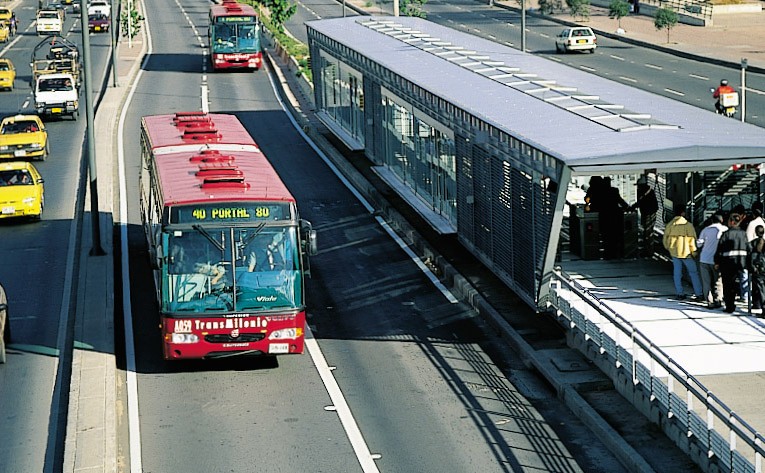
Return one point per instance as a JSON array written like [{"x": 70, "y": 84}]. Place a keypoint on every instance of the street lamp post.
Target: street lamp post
[
  {"x": 744, "y": 64},
  {"x": 523, "y": 25},
  {"x": 85, "y": 96}
]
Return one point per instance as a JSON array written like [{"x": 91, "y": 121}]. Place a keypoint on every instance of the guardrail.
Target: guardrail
[
  {"x": 690, "y": 7},
  {"x": 699, "y": 422}
]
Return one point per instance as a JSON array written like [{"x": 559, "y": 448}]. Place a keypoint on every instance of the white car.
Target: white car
[
  {"x": 99, "y": 6},
  {"x": 579, "y": 38}
]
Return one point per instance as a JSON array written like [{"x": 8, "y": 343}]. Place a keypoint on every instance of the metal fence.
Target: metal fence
[{"x": 700, "y": 421}]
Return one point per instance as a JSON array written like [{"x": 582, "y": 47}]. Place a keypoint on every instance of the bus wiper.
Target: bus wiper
[
  {"x": 204, "y": 232},
  {"x": 257, "y": 231}
]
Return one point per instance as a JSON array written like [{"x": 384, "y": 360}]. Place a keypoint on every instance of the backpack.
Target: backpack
[{"x": 758, "y": 263}]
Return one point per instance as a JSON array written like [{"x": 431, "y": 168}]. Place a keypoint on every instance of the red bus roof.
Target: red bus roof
[
  {"x": 232, "y": 8},
  {"x": 209, "y": 158}
]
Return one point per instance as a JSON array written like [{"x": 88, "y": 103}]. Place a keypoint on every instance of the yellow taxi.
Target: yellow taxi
[
  {"x": 5, "y": 31},
  {"x": 7, "y": 74},
  {"x": 6, "y": 13},
  {"x": 21, "y": 190},
  {"x": 23, "y": 136}
]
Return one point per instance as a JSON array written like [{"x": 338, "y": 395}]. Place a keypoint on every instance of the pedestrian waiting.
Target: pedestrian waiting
[
  {"x": 680, "y": 241},
  {"x": 711, "y": 285},
  {"x": 757, "y": 268},
  {"x": 731, "y": 259}
]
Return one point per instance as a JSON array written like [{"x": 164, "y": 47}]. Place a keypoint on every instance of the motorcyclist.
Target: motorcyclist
[{"x": 724, "y": 88}]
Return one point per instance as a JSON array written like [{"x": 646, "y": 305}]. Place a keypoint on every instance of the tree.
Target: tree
[
  {"x": 618, "y": 9},
  {"x": 579, "y": 8},
  {"x": 413, "y": 8},
  {"x": 665, "y": 19},
  {"x": 548, "y": 7},
  {"x": 281, "y": 11},
  {"x": 130, "y": 22}
]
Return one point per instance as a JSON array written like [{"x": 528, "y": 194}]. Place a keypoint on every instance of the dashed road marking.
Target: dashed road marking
[
  {"x": 652, "y": 66},
  {"x": 675, "y": 92}
]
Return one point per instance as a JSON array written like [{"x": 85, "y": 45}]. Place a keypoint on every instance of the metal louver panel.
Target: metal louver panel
[
  {"x": 503, "y": 213},
  {"x": 464, "y": 188},
  {"x": 483, "y": 194},
  {"x": 523, "y": 222}
]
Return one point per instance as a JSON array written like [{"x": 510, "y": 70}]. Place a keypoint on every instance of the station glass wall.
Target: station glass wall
[
  {"x": 421, "y": 153},
  {"x": 342, "y": 95}
]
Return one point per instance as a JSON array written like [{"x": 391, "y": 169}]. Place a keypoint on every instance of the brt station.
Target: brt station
[{"x": 495, "y": 145}]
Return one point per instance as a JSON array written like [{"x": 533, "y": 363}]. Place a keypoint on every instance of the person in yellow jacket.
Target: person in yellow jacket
[{"x": 680, "y": 241}]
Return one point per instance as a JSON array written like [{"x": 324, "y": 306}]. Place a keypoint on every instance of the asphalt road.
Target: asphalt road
[
  {"x": 37, "y": 271},
  {"x": 416, "y": 370}
]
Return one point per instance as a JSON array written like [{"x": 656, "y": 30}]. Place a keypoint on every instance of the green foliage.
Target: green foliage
[
  {"x": 413, "y": 8},
  {"x": 665, "y": 19},
  {"x": 130, "y": 22},
  {"x": 293, "y": 47},
  {"x": 548, "y": 7},
  {"x": 579, "y": 8},
  {"x": 281, "y": 11},
  {"x": 618, "y": 9}
]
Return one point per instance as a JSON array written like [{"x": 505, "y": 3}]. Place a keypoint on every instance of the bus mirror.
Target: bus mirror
[{"x": 312, "y": 246}]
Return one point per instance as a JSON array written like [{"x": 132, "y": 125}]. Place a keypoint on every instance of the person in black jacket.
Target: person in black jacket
[{"x": 731, "y": 258}]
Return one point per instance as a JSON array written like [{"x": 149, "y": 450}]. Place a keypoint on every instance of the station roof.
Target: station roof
[{"x": 592, "y": 124}]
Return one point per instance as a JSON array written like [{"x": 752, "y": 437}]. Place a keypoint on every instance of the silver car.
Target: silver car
[{"x": 579, "y": 38}]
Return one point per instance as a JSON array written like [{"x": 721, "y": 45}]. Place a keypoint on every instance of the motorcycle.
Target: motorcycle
[{"x": 726, "y": 104}]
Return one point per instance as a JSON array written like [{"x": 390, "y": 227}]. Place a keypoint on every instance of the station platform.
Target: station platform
[{"x": 724, "y": 352}]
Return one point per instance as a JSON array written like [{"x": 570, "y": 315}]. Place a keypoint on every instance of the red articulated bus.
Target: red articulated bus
[
  {"x": 234, "y": 36},
  {"x": 228, "y": 250}
]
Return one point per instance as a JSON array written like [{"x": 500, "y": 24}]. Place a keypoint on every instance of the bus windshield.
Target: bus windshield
[
  {"x": 224, "y": 269},
  {"x": 234, "y": 38}
]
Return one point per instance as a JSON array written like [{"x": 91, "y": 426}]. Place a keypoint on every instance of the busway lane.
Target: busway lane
[
  {"x": 256, "y": 412},
  {"x": 37, "y": 273}
]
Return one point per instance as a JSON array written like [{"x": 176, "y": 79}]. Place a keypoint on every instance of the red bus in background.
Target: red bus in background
[
  {"x": 228, "y": 250},
  {"x": 234, "y": 36}
]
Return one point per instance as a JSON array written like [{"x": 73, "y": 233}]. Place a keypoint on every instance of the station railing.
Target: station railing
[{"x": 702, "y": 419}]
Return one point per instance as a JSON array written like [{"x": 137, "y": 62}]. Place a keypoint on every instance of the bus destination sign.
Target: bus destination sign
[
  {"x": 235, "y": 19},
  {"x": 233, "y": 212}
]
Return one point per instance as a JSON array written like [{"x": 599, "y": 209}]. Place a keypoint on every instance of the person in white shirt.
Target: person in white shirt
[
  {"x": 756, "y": 220},
  {"x": 711, "y": 284}
]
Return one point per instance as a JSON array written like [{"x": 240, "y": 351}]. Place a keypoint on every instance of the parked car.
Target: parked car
[
  {"x": 5, "y": 324},
  {"x": 21, "y": 190},
  {"x": 98, "y": 22},
  {"x": 580, "y": 38},
  {"x": 7, "y": 73}
]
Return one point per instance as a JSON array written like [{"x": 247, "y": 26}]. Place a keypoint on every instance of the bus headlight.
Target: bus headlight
[
  {"x": 184, "y": 338},
  {"x": 284, "y": 334}
]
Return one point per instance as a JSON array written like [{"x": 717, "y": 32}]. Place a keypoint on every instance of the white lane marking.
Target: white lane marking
[
  {"x": 509, "y": 43},
  {"x": 553, "y": 58},
  {"x": 618, "y": 58},
  {"x": 696, "y": 76},
  {"x": 675, "y": 92},
  {"x": 628, "y": 79},
  {"x": 340, "y": 405},
  {"x": 587, "y": 68},
  {"x": 432, "y": 277},
  {"x": 755, "y": 91},
  {"x": 544, "y": 35},
  {"x": 653, "y": 66},
  {"x": 492, "y": 37},
  {"x": 131, "y": 381}
]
